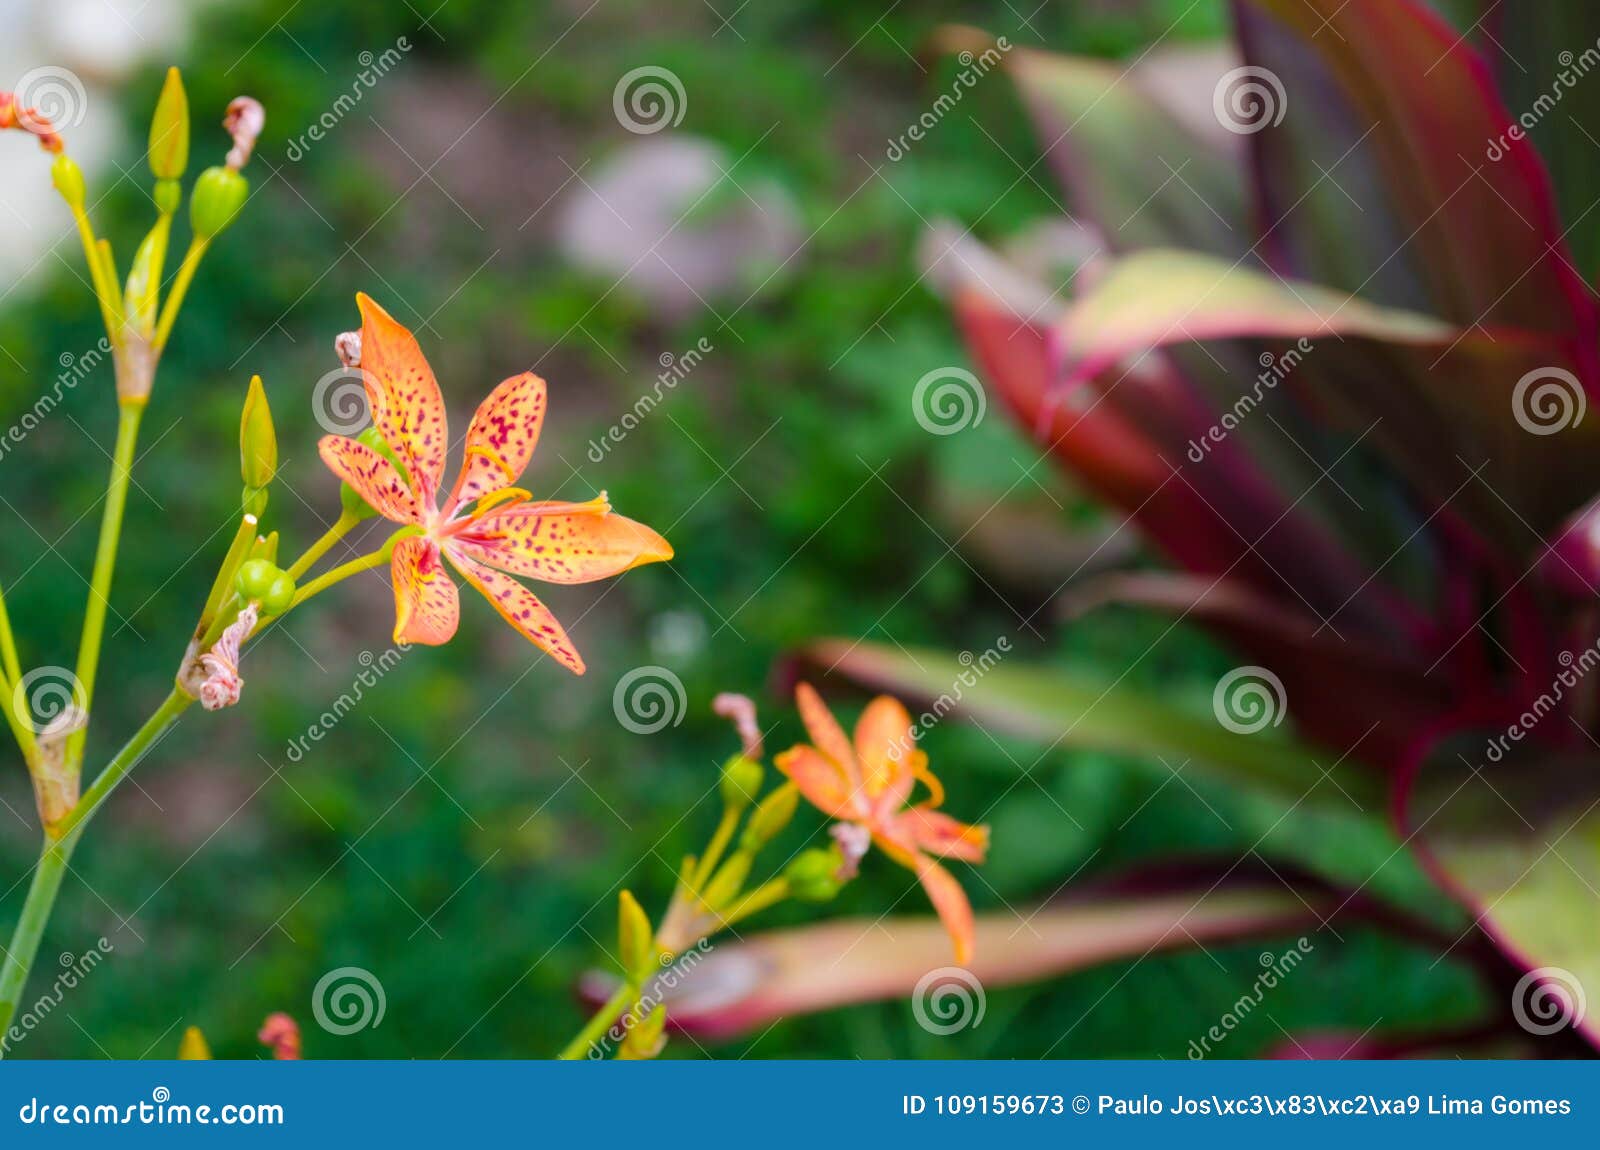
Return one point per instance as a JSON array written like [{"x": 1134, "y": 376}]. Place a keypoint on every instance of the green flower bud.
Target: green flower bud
[
  {"x": 193, "y": 1046},
  {"x": 258, "y": 443},
  {"x": 635, "y": 939},
  {"x": 68, "y": 179},
  {"x": 741, "y": 782},
  {"x": 813, "y": 876},
  {"x": 726, "y": 884},
  {"x": 770, "y": 817},
  {"x": 169, "y": 130},
  {"x": 254, "y": 501},
  {"x": 218, "y": 195},
  {"x": 646, "y": 1038},
  {"x": 280, "y": 593},
  {"x": 255, "y": 578}
]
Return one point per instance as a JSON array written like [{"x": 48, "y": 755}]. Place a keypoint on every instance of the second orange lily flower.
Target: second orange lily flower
[
  {"x": 488, "y": 529},
  {"x": 866, "y": 786}
]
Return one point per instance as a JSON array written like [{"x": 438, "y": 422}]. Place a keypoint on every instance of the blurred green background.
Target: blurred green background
[{"x": 463, "y": 831}]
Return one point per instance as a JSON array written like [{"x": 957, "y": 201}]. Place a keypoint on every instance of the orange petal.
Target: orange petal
[
  {"x": 942, "y": 836},
  {"x": 822, "y": 782},
  {"x": 372, "y": 476},
  {"x": 427, "y": 607},
  {"x": 406, "y": 405},
  {"x": 502, "y": 437},
  {"x": 826, "y": 734},
  {"x": 950, "y": 901},
  {"x": 884, "y": 747},
  {"x": 577, "y": 544},
  {"x": 519, "y": 607}
]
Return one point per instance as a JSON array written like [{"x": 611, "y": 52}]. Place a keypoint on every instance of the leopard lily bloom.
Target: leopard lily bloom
[
  {"x": 488, "y": 529},
  {"x": 865, "y": 785}
]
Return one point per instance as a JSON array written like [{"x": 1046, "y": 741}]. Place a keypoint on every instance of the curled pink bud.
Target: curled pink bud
[
  {"x": 29, "y": 120},
  {"x": 244, "y": 121},
  {"x": 347, "y": 346},
  {"x": 222, "y": 683},
  {"x": 282, "y": 1034},
  {"x": 742, "y": 712}
]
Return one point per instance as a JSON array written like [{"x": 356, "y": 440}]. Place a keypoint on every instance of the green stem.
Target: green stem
[
  {"x": 222, "y": 586},
  {"x": 329, "y": 578},
  {"x": 47, "y": 876},
  {"x": 105, "y": 561},
  {"x": 598, "y": 1024},
  {"x": 341, "y": 527},
  {"x": 104, "y": 291},
  {"x": 719, "y": 843},
  {"x": 8, "y": 644},
  {"x": 767, "y": 895},
  {"x": 126, "y": 759},
  {"x": 180, "y": 288}
]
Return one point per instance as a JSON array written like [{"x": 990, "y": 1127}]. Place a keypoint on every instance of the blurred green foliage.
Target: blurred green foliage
[{"x": 462, "y": 833}]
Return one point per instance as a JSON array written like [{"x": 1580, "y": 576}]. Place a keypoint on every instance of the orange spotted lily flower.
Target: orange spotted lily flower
[
  {"x": 866, "y": 787},
  {"x": 488, "y": 529}
]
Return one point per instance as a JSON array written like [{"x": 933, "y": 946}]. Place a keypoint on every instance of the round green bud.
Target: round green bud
[
  {"x": 813, "y": 876},
  {"x": 280, "y": 593},
  {"x": 254, "y": 579},
  {"x": 741, "y": 781},
  {"x": 219, "y": 193},
  {"x": 68, "y": 179}
]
